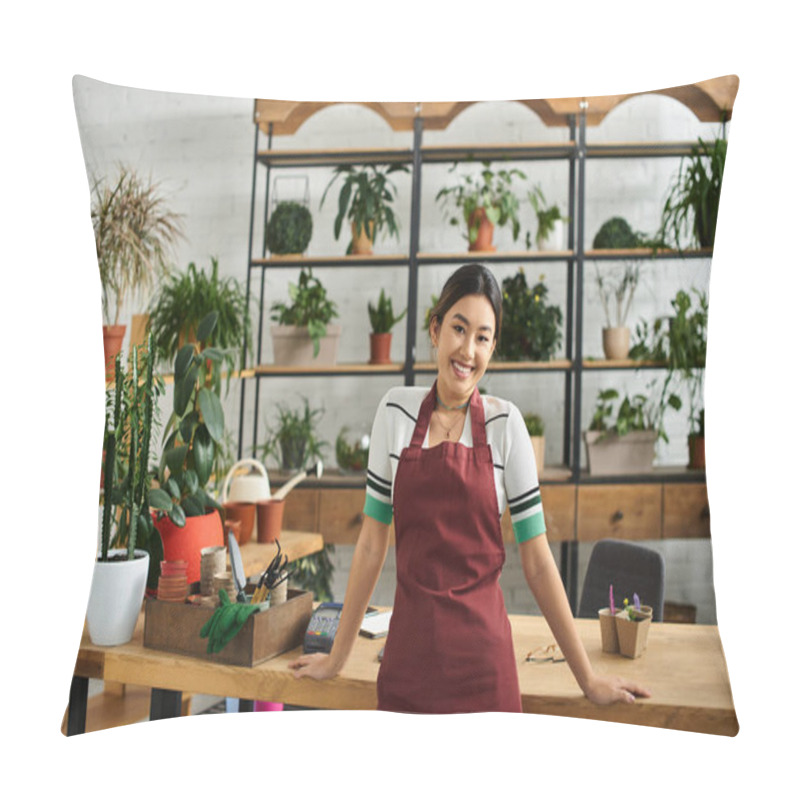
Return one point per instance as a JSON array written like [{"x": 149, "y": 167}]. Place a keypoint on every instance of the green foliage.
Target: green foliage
[
  {"x": 194, "y": 434},
  {"x": 637, "y": 413},
  {"x": 293, "y": 440},
  {"x": 617, "y": 234},
  {"x": 134, "y": 233},
  {"x": 130, "y": 420},
  {"x": 382, "y": 317},
  {"x": 310, "y": 307},
  {"x": 680, "y": 341},
  {"x": 289, "y": 229},
  {"x": 690, "y": 210},
  {"x": 546, "y": 216},
  {"x": 534, "y": 424},
  {"x": 352, "y": 455},
  {"x": 188, "y": 297},
  {"x": 366, "y": 198},
  {"x": 314, "y": 574},
  {"x": 531, "y": 328},
  {"x": 490, "y": 191},
  {"x": 426, "y": 325}
]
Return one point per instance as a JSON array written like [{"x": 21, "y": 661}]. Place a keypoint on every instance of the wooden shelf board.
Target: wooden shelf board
[
  {"x": 274, "y": 369},
  {"x": 647, "y": 252},
  {"x": 333, "y": 157},
  {"x": 506, "y": 255},
  {"x": 622, "y": 363},
  {"x": 508, "y": 366},
  {"x": 296, "y": 262}
]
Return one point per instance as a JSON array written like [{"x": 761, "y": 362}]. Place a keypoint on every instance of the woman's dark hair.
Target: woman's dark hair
[{"x": 466, "y": 280}]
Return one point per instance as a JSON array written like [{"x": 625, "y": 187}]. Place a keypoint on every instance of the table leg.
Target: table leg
[
  {"x": 164, "y": 704},
  {"x": 245, "y": 705},
  {"x": 78, "y": 700}
]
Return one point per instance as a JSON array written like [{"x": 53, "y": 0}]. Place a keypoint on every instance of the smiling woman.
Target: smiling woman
[{"x": 444, "y": 463}]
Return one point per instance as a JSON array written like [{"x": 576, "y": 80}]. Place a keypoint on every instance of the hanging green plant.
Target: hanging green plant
[
  {"x": 289, "y": 229},
  {"x": 314, "y": 574}
]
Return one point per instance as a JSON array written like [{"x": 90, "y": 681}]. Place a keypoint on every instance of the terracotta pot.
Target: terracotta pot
[
  {"x": 185, "y": 544},
  {"x": 362, "y": 244},
  {"x": 616, "y": 343},
  {"x": 112, "y": 344},
  {"x": 269, "y": 520},
  {"x": 608, "y": 631},
  {"x": 483, "y": 242},
  {"x": 697, "y": 452},
  {"x": 380, "y": 348},
  {"x": 245, "y": 514}
]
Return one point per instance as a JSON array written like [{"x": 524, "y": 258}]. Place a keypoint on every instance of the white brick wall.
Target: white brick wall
[{"x": 201, "y": 148}]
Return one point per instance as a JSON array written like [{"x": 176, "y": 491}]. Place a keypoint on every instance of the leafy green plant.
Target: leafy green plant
[
  {"x": 289, "y": 228},
  {"x": 534, "y": 424},
  {"x": 352, "y": 453},
  {"x": 310, "y": 307},
  {"x": 194, "y": 434},
  {"x": 381, "y": 317},
  {"x": 188, "y": 297},
  {"x": 531, "y": 328},
  {"x": 426, "y": 324},
  {"x": 293, "y": 440},
  {"x": 131, "y": 418},
  {"x": 490, "y": 191},
  {"x": 690, "y": 210},
  {"x": 617, "y": 234},
  {"x": 314, "y": 574},
  {"x": 366, "y": 198},
  {"x": 546, "y": 216},
  {"x": 621, "y": 287},
  {"x": 637, "y": 413},
  {"x": 680, "y": 341},
  {"x": 134, "y": 232}
]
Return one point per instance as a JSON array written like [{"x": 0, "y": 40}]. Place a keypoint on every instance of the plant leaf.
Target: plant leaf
[
  {"x": 213, "y": 415},
  {"x": 203, "y": 453},
  {"x": 206, "y": 326}
]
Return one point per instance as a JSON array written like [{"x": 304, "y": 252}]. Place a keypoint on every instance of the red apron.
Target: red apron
[{"x": 449, "y": 646}]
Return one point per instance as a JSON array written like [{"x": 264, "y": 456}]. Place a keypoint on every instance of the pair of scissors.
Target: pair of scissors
[{"x": 271, "y": 577}]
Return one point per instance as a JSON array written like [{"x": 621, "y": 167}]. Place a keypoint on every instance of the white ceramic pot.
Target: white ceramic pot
[
  {"x": 292, "y": 346},
  {"x": 616, "y": 343},
  {"x": 610, "y": 454},
  {"x": 115, "y": 599},
  {"x": 557, "y": 239}
]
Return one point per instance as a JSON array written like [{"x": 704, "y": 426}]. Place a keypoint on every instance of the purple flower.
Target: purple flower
[
  {"x": 636, "y": 604},
  {"x": 611, "y": 599}
]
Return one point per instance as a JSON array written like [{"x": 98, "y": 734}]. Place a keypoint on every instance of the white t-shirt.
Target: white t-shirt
[{"x": 515, "y": 477}]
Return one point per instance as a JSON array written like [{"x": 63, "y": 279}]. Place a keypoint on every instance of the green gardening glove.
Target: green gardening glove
[{"x": 226, "y": 621}]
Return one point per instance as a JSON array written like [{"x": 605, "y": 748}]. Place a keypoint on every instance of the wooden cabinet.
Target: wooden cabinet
[
  {"x": 629, "y": 511},
  {"x": 686, "y": 511}
]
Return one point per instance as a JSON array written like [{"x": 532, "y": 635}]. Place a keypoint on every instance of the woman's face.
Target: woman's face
[{"x": 465, "y": 342}]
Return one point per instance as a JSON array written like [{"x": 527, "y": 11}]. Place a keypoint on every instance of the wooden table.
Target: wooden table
[
  {"x": 91, "y": 659},
  {"x": 683, "y": 666}
]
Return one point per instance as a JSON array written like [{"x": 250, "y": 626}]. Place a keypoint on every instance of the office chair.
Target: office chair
[{"x": 628, "y": 568}]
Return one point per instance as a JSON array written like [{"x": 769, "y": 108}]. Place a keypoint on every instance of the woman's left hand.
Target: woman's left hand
[{"x": 605, "y": 690}]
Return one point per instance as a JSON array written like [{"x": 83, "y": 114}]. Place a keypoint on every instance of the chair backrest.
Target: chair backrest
[{"x": 628, "y": 568}]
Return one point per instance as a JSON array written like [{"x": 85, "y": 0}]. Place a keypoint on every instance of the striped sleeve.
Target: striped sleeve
[
  {"x": 378, "y": 501},
  {"x": 522, "y": 480}
]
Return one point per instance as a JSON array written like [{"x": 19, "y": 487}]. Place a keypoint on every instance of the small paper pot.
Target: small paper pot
[
  {"x": 269, "y": 519},
  {"x": 245, "y": 513},
  {"x": 213, "y": 560},
  {"x": 608, "y": 631},
  {"x": 279, "y": 593},
  {"x": 632, "y": 634}
]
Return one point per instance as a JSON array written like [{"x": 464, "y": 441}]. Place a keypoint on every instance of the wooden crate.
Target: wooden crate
[{"x": 175, "y": 627}]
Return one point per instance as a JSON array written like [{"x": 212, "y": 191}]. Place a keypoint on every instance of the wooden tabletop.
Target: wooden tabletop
[{"x": 683, "y": 666}]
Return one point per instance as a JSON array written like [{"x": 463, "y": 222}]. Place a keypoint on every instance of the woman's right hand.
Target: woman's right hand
[{"x": 319, "y": 666}]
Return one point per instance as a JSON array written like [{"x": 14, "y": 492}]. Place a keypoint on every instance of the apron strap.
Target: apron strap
[{"x": 477, "y": 417}]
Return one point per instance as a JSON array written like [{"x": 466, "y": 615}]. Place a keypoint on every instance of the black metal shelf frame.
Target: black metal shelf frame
[{"x": 576, "y": 152}]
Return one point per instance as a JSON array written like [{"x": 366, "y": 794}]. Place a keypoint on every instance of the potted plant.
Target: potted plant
[
  {"x": 293, "y": 441},
  {"x": 633, "y": 625},
  {"x": 531, "y": 328},
  {"x": 622, "y": 287},
  {"x": 680, "y": 341},
  {"x": 485, "y": 200},
  {"x": 121, "y": 573},
  {"x": 365, "y": 199},
  {"x": 690, "y": 210},
  {"x": 352, "y": 450},
  {"x": 382, "y": 320},
  {"x": 535, "y": 427},
  {"x": 289, "y": 229},
  {"x": 185, "y": 299},
  {"x": 628, "y": 446},
  {"x": 188, "y": 517},
  {"x": 303, "y": 334},
  {"x": 551, "y": 223},
  {"x": 697, "y": 441},
  {"x": 134, "y": 232}
]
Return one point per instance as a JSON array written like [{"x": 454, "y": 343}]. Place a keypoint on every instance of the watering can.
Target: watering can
[{"x": 247, "y": 488}]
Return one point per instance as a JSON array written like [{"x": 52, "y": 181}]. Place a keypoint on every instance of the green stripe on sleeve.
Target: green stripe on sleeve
[
  {"x": 528, "y": 528},
  {"x": 382, "y": 512}
]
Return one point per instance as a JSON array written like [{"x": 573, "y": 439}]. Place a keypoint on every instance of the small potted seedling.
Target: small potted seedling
[
  {"x": 382, "y": 319},
  {"x": 633, "y": 624},
  {"x": 535, "y": 427}
]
